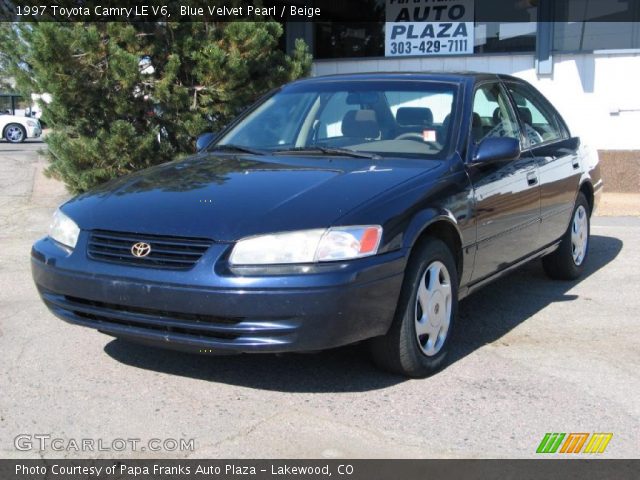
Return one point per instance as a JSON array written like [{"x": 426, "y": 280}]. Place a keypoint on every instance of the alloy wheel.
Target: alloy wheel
[{"x": 14, "y": 134}]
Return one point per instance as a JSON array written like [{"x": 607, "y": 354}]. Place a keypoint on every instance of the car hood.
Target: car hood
[
  {"x": 227, "y": 197},
  {"x": 14, "y": 119}
]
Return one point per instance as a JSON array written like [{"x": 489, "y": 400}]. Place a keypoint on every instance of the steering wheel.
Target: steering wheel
[{"x": 411, "y": 136}]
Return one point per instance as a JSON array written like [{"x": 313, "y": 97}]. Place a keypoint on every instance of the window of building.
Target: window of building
[
  {"x": 347, "y": 40},
  {"x": 14, "y": 105},
  {"x": 590, "y": 36},
  {"x": 6, "y": 108},
  {"x": 494, "y": 37},
  {"x": 609, "y": 26},
  {"x": 352, "y": 33}
]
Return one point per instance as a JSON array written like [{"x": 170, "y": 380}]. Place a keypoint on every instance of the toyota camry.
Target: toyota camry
[{"x": 335, "y": 210}]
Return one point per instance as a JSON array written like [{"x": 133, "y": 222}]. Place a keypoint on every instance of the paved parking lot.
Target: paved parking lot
[{"x": 532, "y": 356}]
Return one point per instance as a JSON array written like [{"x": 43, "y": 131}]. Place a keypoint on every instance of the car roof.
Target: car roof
[{"x": 457, "y": 77}]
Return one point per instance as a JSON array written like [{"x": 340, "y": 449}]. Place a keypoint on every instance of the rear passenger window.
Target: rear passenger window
[
  {"x": 540, "y": 123},
  {"x": 492, "y": 116}
]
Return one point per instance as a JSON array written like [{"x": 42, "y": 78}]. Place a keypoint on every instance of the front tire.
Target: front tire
[
  {"x": 418, "y": 340},
  {"x": 567, "y": 262},
  {"x": 15, "y": 133}
]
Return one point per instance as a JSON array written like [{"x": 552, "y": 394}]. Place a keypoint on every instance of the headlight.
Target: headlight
[
  {"x": 32, "y": 123},
  {"x": 64, "y": 230},
  {"x": 308, "y": 246}
]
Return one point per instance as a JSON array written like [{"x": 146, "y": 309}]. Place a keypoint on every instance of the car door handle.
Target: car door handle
[
  {"x": 532, "y": 178},
  {"x": 575, "y": 163}
]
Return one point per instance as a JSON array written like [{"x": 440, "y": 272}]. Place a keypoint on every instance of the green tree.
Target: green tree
[{"x": 119, "y": 87}]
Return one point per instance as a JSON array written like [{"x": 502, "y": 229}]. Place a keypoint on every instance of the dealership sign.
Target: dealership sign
[{"x": 428, "y": 27}]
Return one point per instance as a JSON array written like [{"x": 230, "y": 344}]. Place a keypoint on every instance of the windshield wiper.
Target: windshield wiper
[
  {"x": 345, "y": 152},
  {"x": 229, "y": 147}
]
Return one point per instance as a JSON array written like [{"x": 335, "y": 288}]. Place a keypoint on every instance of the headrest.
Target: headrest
[
  {"x": 477, "y": 121},
  {"x": 526, "y": 115},
  {"x": 360, "y": 124},
  {"x": 497, "y": 116},
  {"x": 411, "y": 116}
]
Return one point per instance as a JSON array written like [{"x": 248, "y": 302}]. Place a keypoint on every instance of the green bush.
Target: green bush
[{"x": 108, "y": 110}]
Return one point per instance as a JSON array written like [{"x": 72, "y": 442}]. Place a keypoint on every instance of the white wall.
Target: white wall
[{"x": 598, "y": 94}]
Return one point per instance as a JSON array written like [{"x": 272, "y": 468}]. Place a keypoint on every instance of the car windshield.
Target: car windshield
[{"x": 386, "y": 118}]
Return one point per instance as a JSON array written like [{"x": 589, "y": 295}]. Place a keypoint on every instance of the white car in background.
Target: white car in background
[{"x": 16, "y": 129}]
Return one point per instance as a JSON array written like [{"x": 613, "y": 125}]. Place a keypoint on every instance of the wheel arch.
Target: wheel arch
[
  {"x": 586, "y": 188},
  {"x": 441, "y": 225}
]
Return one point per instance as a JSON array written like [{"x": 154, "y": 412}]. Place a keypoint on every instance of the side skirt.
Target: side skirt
[{"x": 478, "y": 284}]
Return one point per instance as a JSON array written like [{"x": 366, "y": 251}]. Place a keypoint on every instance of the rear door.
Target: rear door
[
  {"x": 548, "y": 141},
  {"x": 507, "y": 194}
]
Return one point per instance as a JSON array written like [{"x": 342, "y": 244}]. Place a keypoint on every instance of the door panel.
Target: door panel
[
  {"x": 559, "y": 177},
  {"x": 508, "y": 214},
  {"x": 547, "y": 139},
  {"x": 507, "y": 194}
]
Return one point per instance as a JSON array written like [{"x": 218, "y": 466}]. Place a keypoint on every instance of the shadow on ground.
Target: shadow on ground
[
  {"x": 484, "y": 317},
  {"x": 495, "y": 310}
]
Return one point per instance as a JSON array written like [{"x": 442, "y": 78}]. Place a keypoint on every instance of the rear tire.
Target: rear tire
[
  {"x": 15, "y": 133},
  {"x": 567, "y": 262},
  {"x": 418, "y": 340}
]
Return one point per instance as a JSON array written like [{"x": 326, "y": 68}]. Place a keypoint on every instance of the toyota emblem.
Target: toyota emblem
[{"x": 140, "y": 249}]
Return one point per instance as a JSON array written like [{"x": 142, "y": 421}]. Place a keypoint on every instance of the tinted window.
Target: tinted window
[
  {"x": 537, "y": 116},
  {"x": 395, "y": 118},
  {"x": 330, "y": 120},
  {"x": 438, "y": 104},
  {"x": 492, "y": 115},
  {"x": 274, "y": 123}
]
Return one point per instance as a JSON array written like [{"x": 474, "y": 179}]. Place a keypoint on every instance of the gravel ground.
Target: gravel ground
[{"x": 619, "y": 204}]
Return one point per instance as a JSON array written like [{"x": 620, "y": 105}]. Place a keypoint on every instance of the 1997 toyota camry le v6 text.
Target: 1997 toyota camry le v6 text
[{"x": 335, "y": 210}]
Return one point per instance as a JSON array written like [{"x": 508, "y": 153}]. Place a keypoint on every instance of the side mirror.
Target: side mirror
[
  {"x": 203, "y": 140},
  {"x": 497, "y": 149}
]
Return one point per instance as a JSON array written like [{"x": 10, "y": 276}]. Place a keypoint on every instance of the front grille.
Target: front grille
[
  {"x": 180, "y": 327},
  {"x": 153, "y": 319},
  {"x": 188, "y": 317},
  {"x": 178, "y": 253}
]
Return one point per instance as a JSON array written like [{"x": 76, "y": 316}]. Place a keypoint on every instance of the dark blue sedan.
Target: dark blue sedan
[{"x": 335, "y": 210}]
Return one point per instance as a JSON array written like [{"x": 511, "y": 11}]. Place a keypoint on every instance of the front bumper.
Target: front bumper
[
  {"x": 34, "y": 132},
  {"x": 202, "y": 311}
]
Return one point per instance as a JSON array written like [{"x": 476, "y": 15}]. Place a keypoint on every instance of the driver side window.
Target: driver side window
[{"x": 492, "y": 115}]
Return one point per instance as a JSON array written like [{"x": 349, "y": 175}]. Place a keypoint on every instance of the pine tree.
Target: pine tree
[{"x": 130, "y": 95}]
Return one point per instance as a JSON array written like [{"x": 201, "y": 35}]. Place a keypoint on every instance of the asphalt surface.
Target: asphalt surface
[{"x": 532, "y": 356}]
